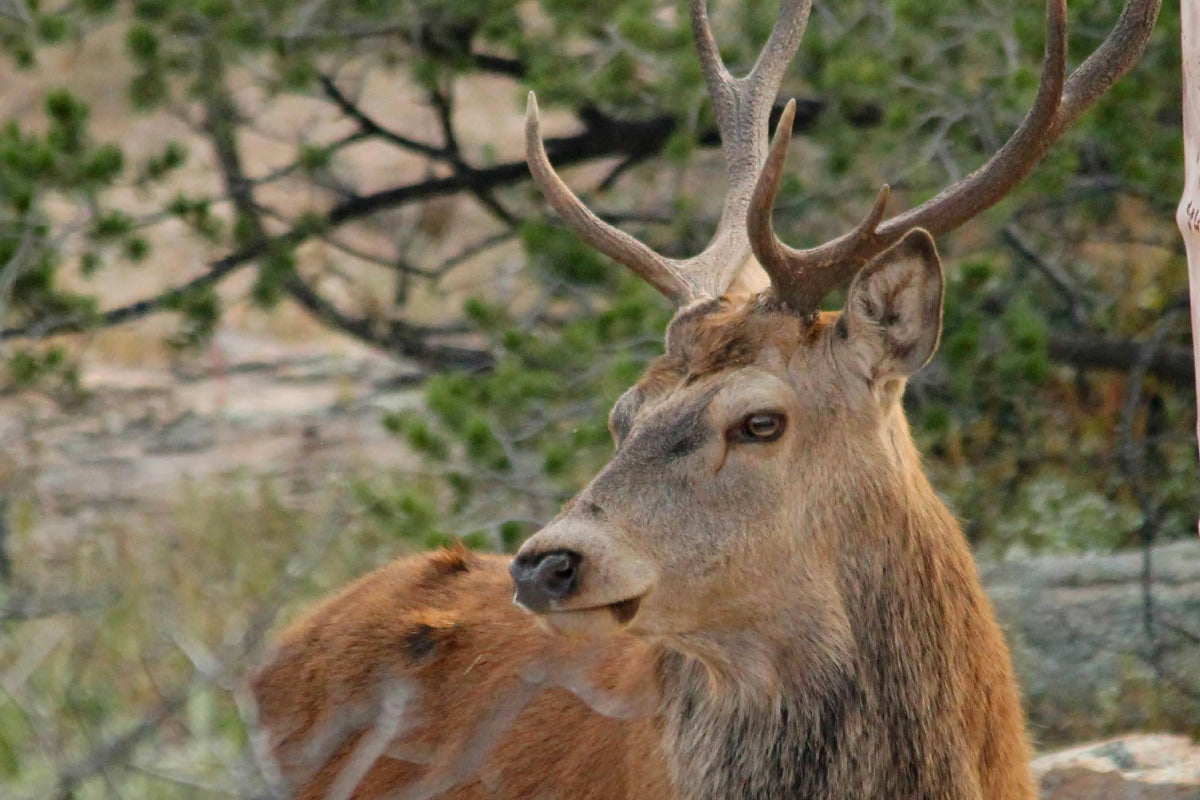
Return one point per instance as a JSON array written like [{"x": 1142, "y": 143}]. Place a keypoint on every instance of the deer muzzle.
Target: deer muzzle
[
  {"x": 576, "y": 570},
  {"x": 545, "y": 579}
]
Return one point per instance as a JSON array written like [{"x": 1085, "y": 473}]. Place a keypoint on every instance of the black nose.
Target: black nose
[{"x": 543, "y": 578}]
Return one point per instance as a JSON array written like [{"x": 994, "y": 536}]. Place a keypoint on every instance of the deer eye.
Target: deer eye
[{"x": 761, "y": 426}]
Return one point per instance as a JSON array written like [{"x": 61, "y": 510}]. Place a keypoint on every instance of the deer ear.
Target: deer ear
[{"x": 893, "y": 314}]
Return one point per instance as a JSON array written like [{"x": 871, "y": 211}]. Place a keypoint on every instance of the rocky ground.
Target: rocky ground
[
  {"x": 1145, "y": 767},
  {"x": 249, "y": 408},
  {"x": 1092, "y": 653}
]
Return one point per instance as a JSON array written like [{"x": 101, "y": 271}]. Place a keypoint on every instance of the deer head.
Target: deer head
[{"x": 769, "y": 440}]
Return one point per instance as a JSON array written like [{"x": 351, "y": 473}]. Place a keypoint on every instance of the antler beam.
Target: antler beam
[{"x": 803, "y": 277}]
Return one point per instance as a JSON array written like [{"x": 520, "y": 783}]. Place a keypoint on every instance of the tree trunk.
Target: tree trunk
[{"x": 1188, "y": 215}]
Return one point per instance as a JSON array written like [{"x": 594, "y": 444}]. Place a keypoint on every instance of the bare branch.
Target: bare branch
[
  {"x": 117, "y": 748},
  {"x": 368, "y": 125},
  {"x": 1171, "y": 364},
  {"x": 394, "y": 336},
  {"x": 1058, "y": 277},
  {"x": 22, "y": 257},
  {"x": 24, "y": 607},
  {"x": 612, "y": 138}
]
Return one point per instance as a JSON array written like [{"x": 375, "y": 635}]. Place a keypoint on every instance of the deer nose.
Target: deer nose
[{"x": 545, "y": 578}]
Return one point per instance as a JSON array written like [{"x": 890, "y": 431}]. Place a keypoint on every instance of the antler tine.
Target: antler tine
[
  {"x": 1059, "y": 102},
  {"x": 759, "y": 87},
  {"x": 1010, "y": 164},
  {"x": 1115, "y": 56},
  {"x": 657, "y": 270},
  {"x": 743, "y": 107},
  {"x": 802, "y": 277},
  {"x": 716, "y": 74},
  {"x": 780, "y": 48}
]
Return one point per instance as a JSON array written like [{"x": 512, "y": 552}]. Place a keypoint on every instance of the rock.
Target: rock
[
  {"x": 249, "y": 410},
  {"x": 1136, "y": 767},
  {"x": 188, "y": 433},
  {"x": 1087, "y": 662}
]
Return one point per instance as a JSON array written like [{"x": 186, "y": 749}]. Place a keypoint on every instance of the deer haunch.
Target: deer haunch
[{"x": 484, "y": 708}]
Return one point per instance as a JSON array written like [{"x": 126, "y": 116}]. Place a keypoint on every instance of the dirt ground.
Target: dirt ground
[{"x": 251, "y": 408}]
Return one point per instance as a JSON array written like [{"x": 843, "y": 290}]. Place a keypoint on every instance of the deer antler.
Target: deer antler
[
  {"x": 801, "y": 278},
  {"x": 742, "y": 108}
]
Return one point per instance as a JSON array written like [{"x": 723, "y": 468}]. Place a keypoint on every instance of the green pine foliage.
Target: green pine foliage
[
  {"x": 1022, "y": 444},
  {"x": 912, "y": 93}
]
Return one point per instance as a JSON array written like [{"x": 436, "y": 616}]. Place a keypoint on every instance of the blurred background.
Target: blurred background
[{"x": 278, "y": 303}]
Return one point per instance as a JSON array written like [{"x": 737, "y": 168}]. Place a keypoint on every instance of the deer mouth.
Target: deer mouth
[
  {"x": 622, "y": 611},
  {"x": 591, "y": 620}
]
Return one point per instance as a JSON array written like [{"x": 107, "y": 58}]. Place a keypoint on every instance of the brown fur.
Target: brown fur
[
  {"x": 319, "y": 695},
  {"x": 809, "y": 622}
]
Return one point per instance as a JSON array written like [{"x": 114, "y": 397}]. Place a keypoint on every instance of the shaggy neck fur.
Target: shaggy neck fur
[{"x": 755, "y": 746}]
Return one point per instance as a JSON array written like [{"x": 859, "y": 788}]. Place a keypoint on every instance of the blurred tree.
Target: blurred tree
[
  {"x": 1049, "y": 294},
  {"x": 1058, "y": 414}
]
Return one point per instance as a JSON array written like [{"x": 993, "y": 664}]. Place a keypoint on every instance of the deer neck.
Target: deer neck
[
  {"x": 753, "y": 745},
  {"x": 833, "y": 693}
]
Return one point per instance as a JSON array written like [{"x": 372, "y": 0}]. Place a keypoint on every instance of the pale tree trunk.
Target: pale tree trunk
[{"x": 1188, "y": 215}]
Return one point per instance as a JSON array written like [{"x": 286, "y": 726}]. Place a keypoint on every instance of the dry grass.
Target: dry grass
[{"x": 183, "y": 606}]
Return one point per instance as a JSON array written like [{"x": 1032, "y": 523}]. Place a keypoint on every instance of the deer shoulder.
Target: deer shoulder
[{"x": 422, "y": 679}]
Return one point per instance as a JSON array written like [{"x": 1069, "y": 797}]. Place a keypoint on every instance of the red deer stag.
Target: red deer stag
[{"x": 760, "y": 596}]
